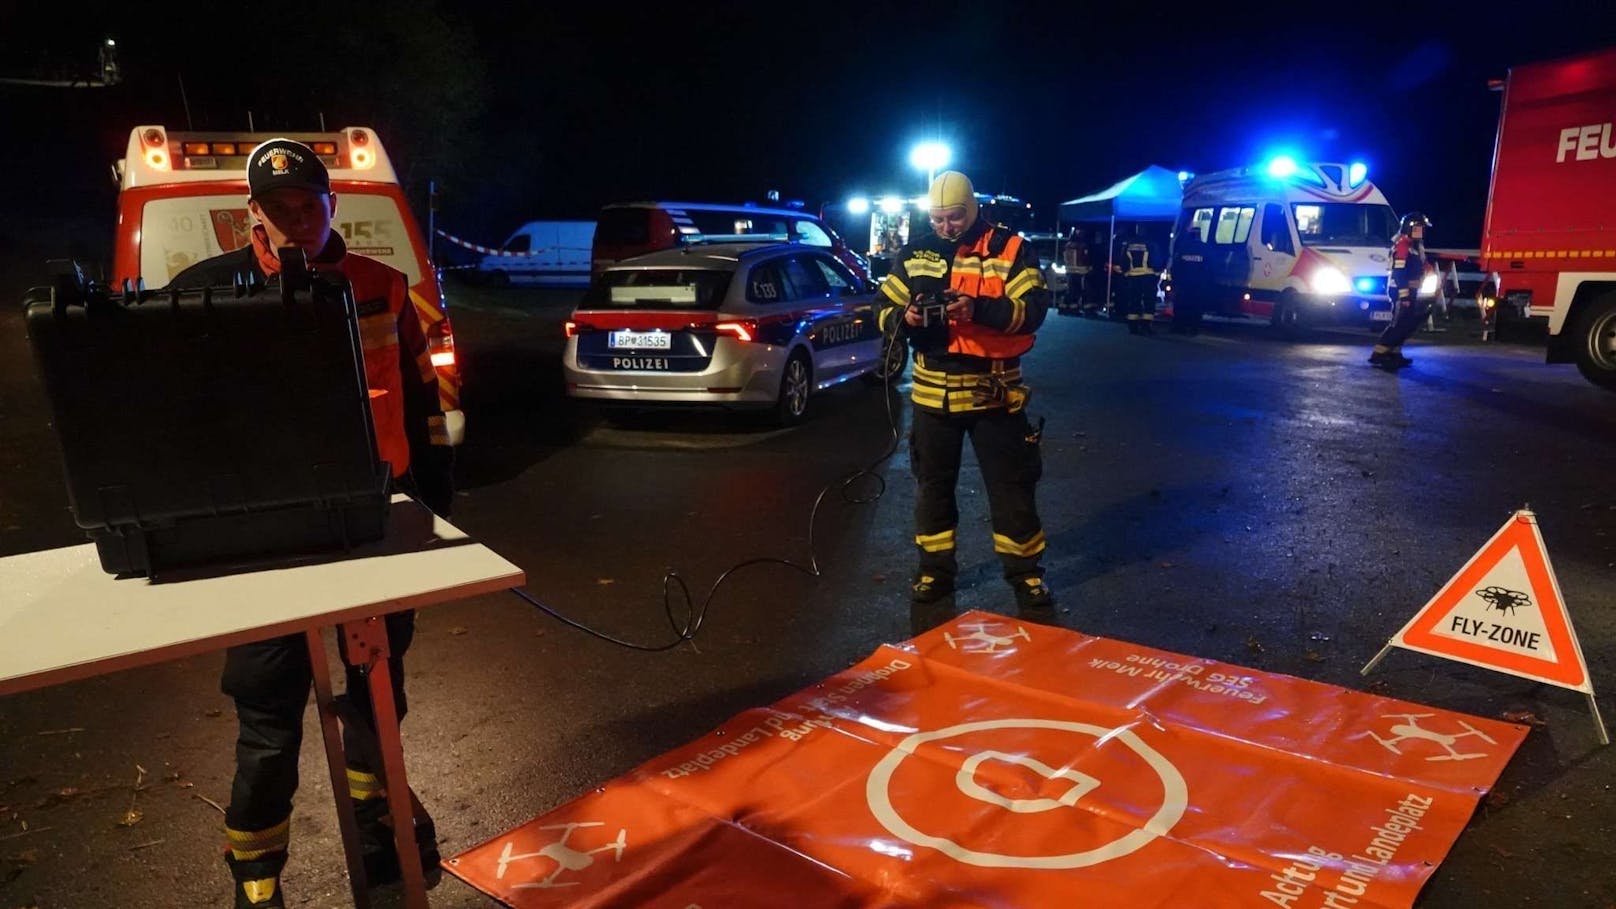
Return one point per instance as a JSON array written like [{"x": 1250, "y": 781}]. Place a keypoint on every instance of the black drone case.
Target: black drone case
[{"x": 211, "y": 425}]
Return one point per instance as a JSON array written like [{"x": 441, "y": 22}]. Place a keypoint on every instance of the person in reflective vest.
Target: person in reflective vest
[
  {"x": 1135, "y": 265},
  {"x": 968, "y": 299},
  {"x": 291, "y": 200},
  {"x": 1403, "y": 287}
]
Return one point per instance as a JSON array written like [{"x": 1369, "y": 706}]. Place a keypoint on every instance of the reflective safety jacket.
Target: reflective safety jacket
[
  {"x": 1001, "y": 272},
  {"x": 1407, "y": 270},
  {"x": 1135, "y": 258},
  {"x": 398, "y": 365}
]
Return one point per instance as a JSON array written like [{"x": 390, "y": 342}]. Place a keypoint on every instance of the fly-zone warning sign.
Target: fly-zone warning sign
[{"x": 1503, "y": 611}]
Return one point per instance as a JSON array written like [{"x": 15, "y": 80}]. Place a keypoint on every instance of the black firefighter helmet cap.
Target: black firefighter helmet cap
[{"x": 282, "y": 163}]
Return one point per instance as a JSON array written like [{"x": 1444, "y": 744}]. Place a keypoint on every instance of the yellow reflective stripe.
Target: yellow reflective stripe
[
  {"x": 972, "y": 267},
  {"x": 926, "y": 268},
  {"x": 261, "y": 890},
  {"x": 362, "y": 785},
  {"x": 247, "y": 845},
  {"x": 379, "y": 330},
  {"x": 887, "y": 318},
  {"x": 921, "y": 374},
  {"x": 1018, "y": 315},
  {"x": 996, "y": 268},
  {"x": 1032, "y": 547},
  {"x": 926, "y": 397},
  {"x": 1027, "y": 280},
  {"x": 430, "y": 314},
  {"x": 935, "y": 542},
  {"x": 895, "y": 290},
  {"x": 438, "y": 434}
]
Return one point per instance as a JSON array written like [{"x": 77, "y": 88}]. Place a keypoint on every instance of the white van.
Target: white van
[
  {"x": 552, "y": 253},
  {"x": 1288, "y": 242}
]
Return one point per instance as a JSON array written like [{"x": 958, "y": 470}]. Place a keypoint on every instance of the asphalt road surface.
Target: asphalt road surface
[{"x": 1271, "y": 503}]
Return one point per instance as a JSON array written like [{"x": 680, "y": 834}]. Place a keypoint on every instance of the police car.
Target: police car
[{"x": 742, "y": 325}]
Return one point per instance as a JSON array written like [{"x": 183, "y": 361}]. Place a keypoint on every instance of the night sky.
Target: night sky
[{"x": 551, "y": 111}]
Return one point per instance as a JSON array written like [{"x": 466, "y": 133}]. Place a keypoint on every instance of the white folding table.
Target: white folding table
[{"x": 62, "y": 618}]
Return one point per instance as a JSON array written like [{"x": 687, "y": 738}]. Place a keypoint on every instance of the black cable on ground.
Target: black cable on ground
[{"x": 696, "y": 616}]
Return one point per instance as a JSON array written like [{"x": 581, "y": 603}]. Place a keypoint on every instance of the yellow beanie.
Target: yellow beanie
[{"x": 952, "y": 188}]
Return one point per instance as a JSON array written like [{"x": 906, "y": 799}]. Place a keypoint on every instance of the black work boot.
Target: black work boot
[
  {"x": 376, "y": 843},
  {"x": 1032, "y": 594},
  {"x": 929, "y": 588},
  {"x": 258, "y": 881}
]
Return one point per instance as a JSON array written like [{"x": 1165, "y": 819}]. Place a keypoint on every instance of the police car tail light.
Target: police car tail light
[
  {"x": 574, "y": 329},
  {"x": 741, "y": 331}
]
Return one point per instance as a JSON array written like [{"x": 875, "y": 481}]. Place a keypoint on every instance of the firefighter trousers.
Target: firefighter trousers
[
  {"x": 1138, "y": 297},
  {"x": 1405, "y": 321},
  {"x": 1007, "y": 449},
  {"x": 270, "y": 682}
]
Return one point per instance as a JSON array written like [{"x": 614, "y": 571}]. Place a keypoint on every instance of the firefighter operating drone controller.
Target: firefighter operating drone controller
[{"x": 933, "y": 307}]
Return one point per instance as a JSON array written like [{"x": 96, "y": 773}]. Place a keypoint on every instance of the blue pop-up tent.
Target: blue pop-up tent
[{"x": 1153, "y": 194}]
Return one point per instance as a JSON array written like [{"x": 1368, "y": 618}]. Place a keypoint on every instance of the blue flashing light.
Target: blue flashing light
[
  {"x": 1281, "y": 166},
  {"x": 1184, "y": 176},
  {"x": 858, "y": 205},
  {"x": 1356, "y": 173},
  {"x": 1365, "y": 285}
]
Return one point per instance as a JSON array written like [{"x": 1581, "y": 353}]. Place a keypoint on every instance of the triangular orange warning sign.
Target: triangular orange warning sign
[{"x": 1504, "y": 611}]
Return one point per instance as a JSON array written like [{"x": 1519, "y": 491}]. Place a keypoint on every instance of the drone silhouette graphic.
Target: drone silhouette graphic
[
  {"x": 1503, "y": 599},
  {"x": 1411, "y": 729},
  {"x": 565, "y": 857},
  {"x": 985, "y": 641}
]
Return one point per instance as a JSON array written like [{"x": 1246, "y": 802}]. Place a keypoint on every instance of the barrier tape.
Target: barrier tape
[{"x": 486, "y": 250}]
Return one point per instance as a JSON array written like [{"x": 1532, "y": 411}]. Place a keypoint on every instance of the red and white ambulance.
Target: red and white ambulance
[
  {"x": 1550, "y": 233},
  {"x": 1287, "y": 241},
  {"x": 183, "y": 197}
]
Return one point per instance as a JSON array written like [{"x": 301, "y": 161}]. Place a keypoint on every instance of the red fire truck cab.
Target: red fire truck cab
[{"x": 1550, "y": 234}]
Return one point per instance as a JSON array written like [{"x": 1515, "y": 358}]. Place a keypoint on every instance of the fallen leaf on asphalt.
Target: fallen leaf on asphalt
[
  {"x": 879, "y": 578},
  {"x": 1502, "y": 852},
  {"x": 1254, "y": 645},
  {"x": 130, "y": 818},
  {"x": 458, "y": 630},
  {"x": 211, "y": 713},
  {"x": 1313, "y": 657},
  {"x": 1525, "y": 717},
  {"x": 1164, "y": 564},
  {"x": 1498, "y": 798},
  {"x": 604, "y": 581}
]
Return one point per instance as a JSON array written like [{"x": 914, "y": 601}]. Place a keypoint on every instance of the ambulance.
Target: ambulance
[
  {"x": 182, "y": 197},
  {"x": 1294, "y": 243}
]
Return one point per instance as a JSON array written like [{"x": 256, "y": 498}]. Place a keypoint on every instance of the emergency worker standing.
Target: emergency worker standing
[
  {"x": 1136, "y": 263},
  {"x": 1403, "y": 286},
  {"x": 291, "y": 200},
  {"x": 967, "y": 382},
  {"x": 1075, "y": 256}
]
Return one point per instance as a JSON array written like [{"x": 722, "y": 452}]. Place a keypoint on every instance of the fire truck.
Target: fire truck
[
  {"x": 1549, "y": 235},
  {"x": 182, "y": 197}
]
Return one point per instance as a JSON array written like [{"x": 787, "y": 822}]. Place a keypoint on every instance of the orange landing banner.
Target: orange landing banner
[{"x": 993, "y": 762}]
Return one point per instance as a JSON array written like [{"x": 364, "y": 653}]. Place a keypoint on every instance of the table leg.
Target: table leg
[
  {"x": 367, "y": 642},
  {"x": 338, "y": 764}
]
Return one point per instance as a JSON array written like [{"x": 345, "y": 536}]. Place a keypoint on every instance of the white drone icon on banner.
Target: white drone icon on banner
[
  {"x": 1412, "y": 730},
  {"x": 985, "y": 641},
  {"x": 565, "y": 857}
]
